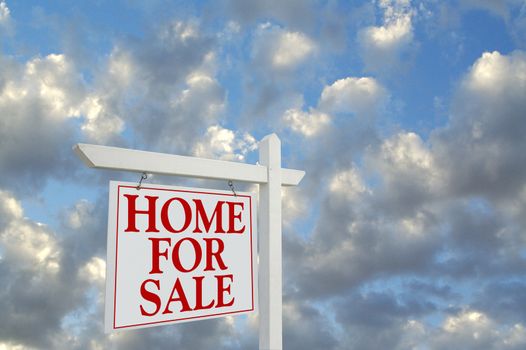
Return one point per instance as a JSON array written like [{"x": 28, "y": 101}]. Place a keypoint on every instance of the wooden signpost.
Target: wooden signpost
[{"x": 268, "y": 174}]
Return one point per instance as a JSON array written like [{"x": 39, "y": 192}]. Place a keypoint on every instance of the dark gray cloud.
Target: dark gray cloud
[
  {"x": 271, "y": 77},
  {"x": 503, "y": 300},
  {"x": 306, "y": 327},
  {"x": 37, "y": 100},
  {"x": 480, "y": 149},
  {"x": 348, "y": 247},
  {"x": 159, "y": 83},
  {"x": 36, "y": 293},
  {"x": 378, "y": 310},
  {"x": 416, "y": 209},
  {"x": 295, "y": 13}
]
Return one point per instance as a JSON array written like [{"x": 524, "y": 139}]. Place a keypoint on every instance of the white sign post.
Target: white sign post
[{"x": 268, "y": 174}]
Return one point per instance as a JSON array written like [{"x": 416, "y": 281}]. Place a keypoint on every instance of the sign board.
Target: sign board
[{"x": 178, "y": 254}]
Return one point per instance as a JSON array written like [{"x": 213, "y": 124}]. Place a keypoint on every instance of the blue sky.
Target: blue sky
[{"x": 409, "y": 117}]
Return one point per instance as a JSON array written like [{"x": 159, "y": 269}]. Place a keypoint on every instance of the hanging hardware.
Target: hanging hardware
[
  {"x": 231, "y": 185},
  {"x": 144, "y": 176}
]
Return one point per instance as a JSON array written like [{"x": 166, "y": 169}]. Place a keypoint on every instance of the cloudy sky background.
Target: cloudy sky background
[{"x": 409, "y": 117}]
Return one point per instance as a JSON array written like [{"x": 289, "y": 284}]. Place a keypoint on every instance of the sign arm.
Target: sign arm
[{"x": 115, "y": 158}]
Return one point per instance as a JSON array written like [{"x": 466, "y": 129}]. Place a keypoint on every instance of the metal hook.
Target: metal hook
[
  {"x": 144, "y": 176},
  {"x": 231, "y": 185}
]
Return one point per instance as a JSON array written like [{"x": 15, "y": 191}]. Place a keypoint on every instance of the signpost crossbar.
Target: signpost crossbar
[{"x": 115, "y": 158}]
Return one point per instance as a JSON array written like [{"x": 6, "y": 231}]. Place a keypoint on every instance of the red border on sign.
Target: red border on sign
[{"x": 184, "y": 318}]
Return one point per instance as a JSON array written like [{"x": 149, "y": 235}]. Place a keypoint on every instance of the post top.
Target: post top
[{"x": 271, "y": 138}]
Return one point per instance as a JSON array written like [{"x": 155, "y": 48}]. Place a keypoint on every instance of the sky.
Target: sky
[{"x": 409, "y": 118}]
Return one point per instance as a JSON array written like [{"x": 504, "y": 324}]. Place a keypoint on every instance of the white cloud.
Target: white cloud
[
  {"x": 405, "y": 153},
  {"x": 4, "y": 13},
  {"x": 121, "y": 68},
  {"x": 13, "y": 346},
  {"x": 306, "y": 123},
  {"x": 291, "y": 49},
  {"x": 364, "y": 97},
  {"x": 396, "y": 31},
  {"x": 348, "y": 183},
  {"x": 281, "y": 50},
  {"x": 352, "y": 95},
  {"x": 54, "y": 81},
  {"x": 382, "y": 46},
  {"x": 100, "y": 124},
  {"x": 179, "y": 31},
  {"x": 199, "y": 85},
  {"x": 404, "y": 158},
  {"x": 94, "y": 271},
  {"x": 10, "y": 208},
  {"x": 76, "y": 217},
  {"x": 39, "y": 99},
  {"x": 473, "y": 329},
  {"x": 225, "y": 144},
  {"x": 408, "y": 174},
  {"x": 30, "y": 245},
  {"x": 294, "y": 204},
  {"x": 493, "y": 73}
]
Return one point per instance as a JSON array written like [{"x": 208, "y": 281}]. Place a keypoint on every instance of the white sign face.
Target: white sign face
[{"x": 178, "y": 254}]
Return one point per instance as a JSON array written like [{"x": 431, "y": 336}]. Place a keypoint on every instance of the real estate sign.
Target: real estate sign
[{"x": 178, "y": 254}]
